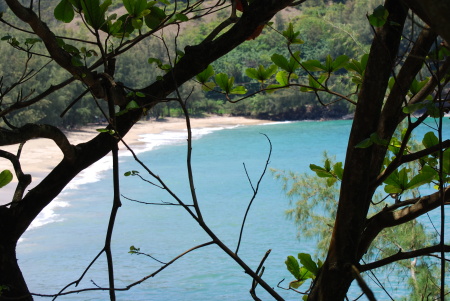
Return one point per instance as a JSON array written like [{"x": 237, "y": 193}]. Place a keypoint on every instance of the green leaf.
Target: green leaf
[
  {"x": 273, "y": 88},
  {"x": 392, "y": 189},
  {"x": 155, "y": 17},
  {"x": 134, "y": 250},
  {"x": 129, "y": 5},
  {"x": 331, "y": 181},
  {"x": 293, "y": 267},
  {"x": 137, "y": 23},
  {"x": 377, "y": 140},
  {"x": 238, "y": 90},
  {"x": 429, "y": 140},
  {"x": 111, "y": 132},
  {"x": 446, "y": 162},
  {"x": 282, "y": 78},
  {"x": 94, "y": 13},
  {"x": 181, "y": 17},
  {"x": 338, "y": 170},
  {"x": 76, "y": 4},
  {"x": 379, "y": 16},
  {"x": 132, "y": 105},
  {"x": 32, "y": 41},
  {"x": 397, "y": 182},
  {"x": 340, "y": 62},
  {"x": 5, "y": 177},
  {"x": 434, "y": 110},
  {"x": 139, "y": 7},
  {"x": 306, "y": 274},
  {"x": 209, "y": 86},
  {"x": 291, "y": 35},
  {"x": 426, "y": 175},
  {"x": 359, "y": 68},
  {"x": 224, "y": 82},
  {"x": 156, "y": 61},
  {"x": 315, "y": 83},
  {"x": 261, "y": 74},
  {"x": 206, "y": 74},
  {"x": 64, "y": 11},
  {"x": 416, "y": 86},
  {"x": 413, "y": 108},
  {"x": 320, "y": 171},
  {"x": 280, "y": 61},
  {"x": 308, "y": 263},
  {"x": 131, "y": 173},
  {"x": 314, "y": 65},
  {"x": 76, "y": 61},
  {"x": 364, "y": 144},
  {"x": 296, "y": 283}
]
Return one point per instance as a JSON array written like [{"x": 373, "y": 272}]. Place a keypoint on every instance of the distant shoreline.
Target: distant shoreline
[{"x": 40, "y": 156}]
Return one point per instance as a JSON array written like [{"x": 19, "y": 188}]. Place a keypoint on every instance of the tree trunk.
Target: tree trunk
[
  {"x": 335, "y": 276},
  {"x": 12, "y": 283}
]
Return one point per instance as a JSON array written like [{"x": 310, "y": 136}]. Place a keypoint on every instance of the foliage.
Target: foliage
[
  {"x": 314, "y": 202},
  {"x": 5, "y": 177}
]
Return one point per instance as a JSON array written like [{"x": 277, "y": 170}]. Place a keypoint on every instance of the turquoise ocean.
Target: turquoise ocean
[{"x": 65, "y": 238}]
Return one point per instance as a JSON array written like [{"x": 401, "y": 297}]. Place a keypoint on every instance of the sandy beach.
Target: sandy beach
[{"x": 39, "y": 156}]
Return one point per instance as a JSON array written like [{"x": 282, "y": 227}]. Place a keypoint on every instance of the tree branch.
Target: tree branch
[
  {"x": 32, "y": 131},
  {"x": 389, "y": 218},
  {"x": 61, "y": 57},
  {"x": 23, "y": 179},
  {"x": 402, "y": 256}
]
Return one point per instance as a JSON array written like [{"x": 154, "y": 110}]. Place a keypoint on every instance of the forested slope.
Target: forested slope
[{"x": 327, "y": 28}]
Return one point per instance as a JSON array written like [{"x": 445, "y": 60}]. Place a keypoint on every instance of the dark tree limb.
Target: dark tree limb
[
  {"x": 61, "y": 57},
  {"x": 33, "y": 131},
  {"x": 128, "y": 287},
  {"x": 390, "y": 218},
  {"x": 23, "y": 179},
  {"x": 400, "y": 255}
]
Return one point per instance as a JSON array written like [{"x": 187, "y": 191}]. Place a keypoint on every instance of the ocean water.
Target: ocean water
[{"x": 68, "y": 235}]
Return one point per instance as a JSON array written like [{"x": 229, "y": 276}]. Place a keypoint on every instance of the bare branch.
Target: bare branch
[
  {"x": 389, "y": 218},
  {"x": 32, "y": 131},
  {"x": 260, "y": 268},
  {"x": 23, "y": 179},
  {"x": 402, "y": 256},
  {"x": 255, "y": 192},
  {"x": 132, "y": 284},
  {"x": 362, "y": 284}
]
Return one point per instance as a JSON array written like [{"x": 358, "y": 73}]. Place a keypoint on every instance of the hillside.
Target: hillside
[{"x": 333, "y": 29}]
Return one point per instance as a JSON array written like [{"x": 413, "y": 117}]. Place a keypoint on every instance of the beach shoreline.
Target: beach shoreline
[{"x": 40, "y": 156}]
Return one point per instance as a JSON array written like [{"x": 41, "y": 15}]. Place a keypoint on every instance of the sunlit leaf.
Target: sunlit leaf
[
  {"x": 5, "y": 177},
  {"x": 293, "y": 266},
  {"x": 426, "y": 175},
  {"x": 238, "y": 90},
  {"x": 206, "y": 74},
  {"x": 308, "y": 263}
]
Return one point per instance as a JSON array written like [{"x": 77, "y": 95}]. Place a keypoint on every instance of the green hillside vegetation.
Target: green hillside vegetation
[{"x": 326, "y": 29}]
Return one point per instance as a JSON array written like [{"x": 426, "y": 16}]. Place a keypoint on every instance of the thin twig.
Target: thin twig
[
  {"x": 260, "y": 268},
  {"x": 255, "y": 192}
]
